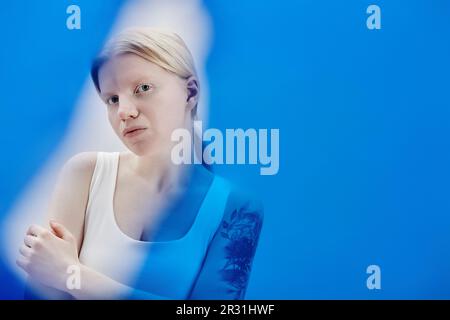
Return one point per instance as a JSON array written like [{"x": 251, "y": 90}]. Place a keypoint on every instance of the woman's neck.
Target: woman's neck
[{"x": 159, "y": 172}]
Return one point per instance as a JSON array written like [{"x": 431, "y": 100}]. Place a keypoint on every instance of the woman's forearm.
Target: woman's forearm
[
  {"x": 35, "y": 290},
  {"x": 95, "y": 285}
]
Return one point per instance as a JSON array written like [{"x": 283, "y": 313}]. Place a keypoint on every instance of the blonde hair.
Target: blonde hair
[{"x": 163, "y": 48}]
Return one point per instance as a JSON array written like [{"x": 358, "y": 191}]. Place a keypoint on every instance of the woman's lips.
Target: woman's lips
[{"x": 134, "y": 133}]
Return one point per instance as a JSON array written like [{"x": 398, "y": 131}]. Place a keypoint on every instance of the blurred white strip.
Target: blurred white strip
[{"x": 89, "y": 129}]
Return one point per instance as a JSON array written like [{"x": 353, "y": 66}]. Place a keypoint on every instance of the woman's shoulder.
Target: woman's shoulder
[
  {"x": 82, "y": 161},
  {"x": 77, "y": 171},
  {"x": 243, "y": 205},
  {"x": 80, "y": 165}
]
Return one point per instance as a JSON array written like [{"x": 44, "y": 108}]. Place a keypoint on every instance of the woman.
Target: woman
[{"x": 134, "y": 225}]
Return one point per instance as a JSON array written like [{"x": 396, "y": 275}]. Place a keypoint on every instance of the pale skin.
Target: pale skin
[{"x": 136, "y": 92}]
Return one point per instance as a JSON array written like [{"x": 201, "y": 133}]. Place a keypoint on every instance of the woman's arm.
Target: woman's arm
[
  {"x": 95, "y": 285},
  {"x": 71, "y": 195},
  {"x": 67, "y": 206},
  {"x": 51, "y": 258},
  {"x": 226, "y": 268}
]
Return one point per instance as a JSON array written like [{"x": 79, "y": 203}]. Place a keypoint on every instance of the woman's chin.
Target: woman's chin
[
  {"x": 146, "y": 148},
  {"x": 141, "y": 150}
]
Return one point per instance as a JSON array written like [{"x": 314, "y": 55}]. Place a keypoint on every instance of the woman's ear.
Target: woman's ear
[{"x": 192, "y": 92}]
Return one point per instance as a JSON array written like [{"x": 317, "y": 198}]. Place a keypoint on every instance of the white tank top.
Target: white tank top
[{"x": 167, "y": 268}]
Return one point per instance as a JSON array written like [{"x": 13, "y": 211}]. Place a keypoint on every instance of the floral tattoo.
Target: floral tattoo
[{"x": 242, "y": 230}]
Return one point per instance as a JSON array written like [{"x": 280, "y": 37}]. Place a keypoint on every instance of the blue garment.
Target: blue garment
[{"x": 171, "y": 267}]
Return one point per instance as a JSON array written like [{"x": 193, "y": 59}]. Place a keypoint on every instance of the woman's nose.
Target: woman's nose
[{"x": 127, "y": 109}]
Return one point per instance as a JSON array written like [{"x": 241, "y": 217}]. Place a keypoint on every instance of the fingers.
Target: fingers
[
  {"x": 23, "y": 263},
  {"x": 30, "y": 241},
  {"x": 25, "y": 251},
  {"x": 35, "y": 230}
]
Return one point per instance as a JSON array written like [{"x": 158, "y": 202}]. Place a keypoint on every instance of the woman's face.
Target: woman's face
[{"x": 139, "y": 93}]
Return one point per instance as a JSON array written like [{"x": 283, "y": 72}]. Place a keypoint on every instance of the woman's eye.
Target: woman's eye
[
  {"x": 142, "y": 88},
  {"x": 112, "y": 100}
]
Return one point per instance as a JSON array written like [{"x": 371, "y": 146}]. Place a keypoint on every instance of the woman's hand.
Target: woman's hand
[{"x": 46, "y": 254}]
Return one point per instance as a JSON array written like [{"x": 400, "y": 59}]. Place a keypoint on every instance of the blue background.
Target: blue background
[{"x": 364, "y": 125}]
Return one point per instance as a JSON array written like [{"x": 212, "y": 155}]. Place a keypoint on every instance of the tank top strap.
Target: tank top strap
[
  {"x": 212, "y": 210},
  {"x": 103, "y": 180}
]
